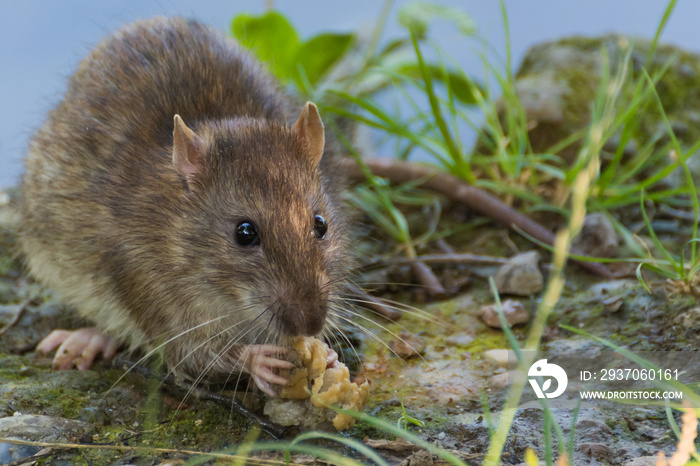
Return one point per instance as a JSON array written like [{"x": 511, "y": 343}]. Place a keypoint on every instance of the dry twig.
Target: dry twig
[
  {"x": 15, "y": 318},
  {"x": 456, "y": 189}
]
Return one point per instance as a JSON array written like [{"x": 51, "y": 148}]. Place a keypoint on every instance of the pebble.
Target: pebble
[
  {"x": 642, "y": 461},
  {"x": 419, "y": 458},
  {"x": 598, "y": 451},
  {"x": 459, "y": 340},
  {"x": 601, "y": 290},
  {"x": 597, "y": 237},
  {"x": 407, "y": 345},
  {"x": 501, "y": 357},
  {"x": 521, "y": 275},
  {"x": 613, "y": 304},
  {"x": 505, "y": 379},
  {"x": 689, "y": 319},
  {"x": 513, "y": 311}
]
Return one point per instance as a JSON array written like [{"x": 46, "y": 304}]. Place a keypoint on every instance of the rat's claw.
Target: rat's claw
[
  {"x": 269, "y": 376},
  {"x": 52, "y": 341},
  {"x": 264, "y": 386},
  {"x": 332, "y": 358},
  {"x": 274, "y": 362},
  {"x": 259, "y": 362},
  {"x": 78, "y": 348}
]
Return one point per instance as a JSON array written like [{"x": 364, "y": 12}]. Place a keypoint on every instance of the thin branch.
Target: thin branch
[
  {"x": 458, "y": 190},
  {"x": 15, "y": 318}
]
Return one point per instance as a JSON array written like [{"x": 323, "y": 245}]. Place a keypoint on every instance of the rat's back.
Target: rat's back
[{"x": 99, "y": 180}]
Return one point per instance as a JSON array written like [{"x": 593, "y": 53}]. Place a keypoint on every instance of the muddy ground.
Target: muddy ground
[{"x": 451, "y": 385}]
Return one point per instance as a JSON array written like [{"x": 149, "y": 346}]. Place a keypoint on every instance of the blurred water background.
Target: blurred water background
[{"x": 42, "y": 41}]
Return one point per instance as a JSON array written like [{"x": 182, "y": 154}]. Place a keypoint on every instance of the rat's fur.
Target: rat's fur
[{"x": 149, "y": 255}]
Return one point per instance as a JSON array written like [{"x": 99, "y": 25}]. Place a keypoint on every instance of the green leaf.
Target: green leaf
[
  {"x": 417, "y": 16},
  {"x": 271, "y": 37},
  {"x": 318, "y": 54},
  {"x": 462, "y": 87}
]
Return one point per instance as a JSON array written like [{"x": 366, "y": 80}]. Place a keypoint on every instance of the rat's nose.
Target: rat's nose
[{"x": 304, "y": 317}]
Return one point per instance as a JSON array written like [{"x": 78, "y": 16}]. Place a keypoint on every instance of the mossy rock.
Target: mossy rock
[{"x": 558, "y": 81}]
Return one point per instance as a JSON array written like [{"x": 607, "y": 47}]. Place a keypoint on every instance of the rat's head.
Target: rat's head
[{"x": 265, "y": 237}]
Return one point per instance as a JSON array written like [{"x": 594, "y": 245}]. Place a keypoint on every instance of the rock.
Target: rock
[
  {"x": 38, "y": 428},
  {"x": 598, "y": 451},
  {"x": 642, "y": 461},
  {"x": 601, "y": 291},
  {"x": 499, "y": 381},
  {"x": 501, "y": 357},
  {"x": 407, "y": 345},
  {"x": 505, "y": 379},
  {"x": 394, "y": 446},
  {"x": 513, "y": 311},
  {"x": 557, "y": 83},
  {"x": 419, "y": 458},
  {"x": 44, "y": 428},
  {"x": 459, "y": 339},
  {"x": 613, "y": 304},
  {"x": 520, "y": 275},
  {"x": 597, "y": 237},
  {"x": 689, "y": 319}
]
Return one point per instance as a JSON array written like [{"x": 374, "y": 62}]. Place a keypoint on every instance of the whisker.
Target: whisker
[
  {"x": 150, "y": 353},
  {"x": 230, "y": 344},
  {"x": 397, "y": 306},
  {"x": 367, "y": 332}
]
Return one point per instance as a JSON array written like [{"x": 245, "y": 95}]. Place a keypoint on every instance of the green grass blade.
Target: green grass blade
[
  {"x": 349, "y": 442},
  {"x": 655, "y": 239},
  {"x": 458, "y": 161},
  {"x": 662, "y": 25},
  {"x": 390, "y": 428}
]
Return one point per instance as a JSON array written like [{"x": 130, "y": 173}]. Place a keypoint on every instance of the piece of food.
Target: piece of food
[{"x": 313, "y": 387}]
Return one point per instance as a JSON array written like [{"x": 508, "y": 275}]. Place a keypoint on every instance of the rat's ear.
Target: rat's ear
[
  {"x": 309, "y": 128},
  {"x": 188, "y": 150}
]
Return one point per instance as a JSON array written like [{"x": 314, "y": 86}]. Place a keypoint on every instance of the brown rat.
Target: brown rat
[{"x": 171, "y": 200}]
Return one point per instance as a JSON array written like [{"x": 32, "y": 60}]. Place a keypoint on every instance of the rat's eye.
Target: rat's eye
[
  {"x": 247, "y": 235},
  {"x": 320, "y": 226}
]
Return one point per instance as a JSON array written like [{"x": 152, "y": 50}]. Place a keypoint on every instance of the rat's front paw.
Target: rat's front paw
[
  {"x": 259, "y": 362},
  {"x": 78, "y": 348}
]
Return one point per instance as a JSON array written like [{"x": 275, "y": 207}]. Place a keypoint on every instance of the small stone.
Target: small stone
[
  {"x": 689, "y": 319},
  {"x": 26, "y": 371},
  {"x": 499, "y": 381},
  {"x": 520, "y": 275},
  {"x": 597, "y": 237},
  {"x": 613, "y": 304},
  {"x": 501, "y": 357},
  {"x": 459, "y": 340},
  {"x": 598, "y": 451},
  {"x": 505, "y": 379},
  {"x": 419, "y": 458},
  {"x": 642, "y": 461},
  {"x": 513, "y": 311},
  {"x": 407, "y": 345},
  {"x": 601, "y": 290}
]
